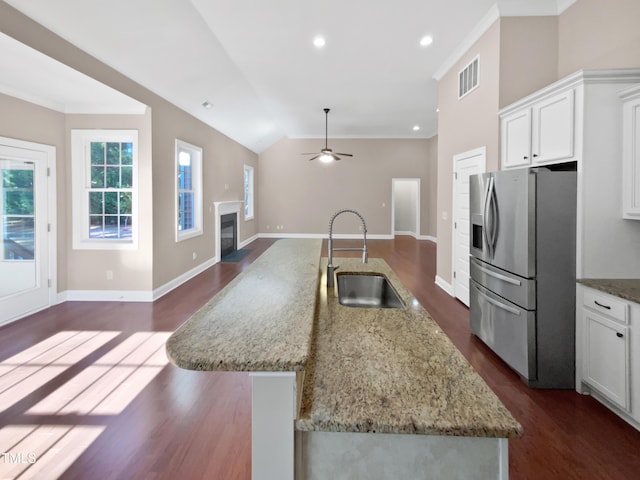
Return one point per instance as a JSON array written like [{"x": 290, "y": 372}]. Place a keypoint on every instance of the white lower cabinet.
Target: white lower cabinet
[
  {"x": 606, "y": 357},
  {"x": 607, "y": 350}
]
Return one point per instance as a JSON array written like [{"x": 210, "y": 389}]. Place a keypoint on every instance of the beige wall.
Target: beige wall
[
  {"x": 599, "y": 34},
  {"x": 223, "y": 165},
  {"x": 131, "y": 269},
  {"x": 528, "y": 56},
  {"x": 464, "y": 125},
  {"x": 302, "y": 195}
]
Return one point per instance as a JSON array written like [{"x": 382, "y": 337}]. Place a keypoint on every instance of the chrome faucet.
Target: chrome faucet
[{"x": 330, "y": 266}]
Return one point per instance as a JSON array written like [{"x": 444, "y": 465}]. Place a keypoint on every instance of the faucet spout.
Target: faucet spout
[{"x": 331, "y": 268}]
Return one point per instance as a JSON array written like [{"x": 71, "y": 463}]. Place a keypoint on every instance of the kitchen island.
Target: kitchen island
[{"x": 365, "y": 389}]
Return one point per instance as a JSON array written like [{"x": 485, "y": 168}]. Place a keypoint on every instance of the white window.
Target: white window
[
  {"x": 188, "y": 190},
  {"x": 248, "y": 192},
  {"x": 105, "y": 189}
]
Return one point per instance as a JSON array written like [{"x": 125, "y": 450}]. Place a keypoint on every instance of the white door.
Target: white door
[
  {"x": 24, "y": 212},
  {"x": 464, "y": 164}
]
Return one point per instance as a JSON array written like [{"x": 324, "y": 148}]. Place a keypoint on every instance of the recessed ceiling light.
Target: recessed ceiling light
[
  {"x": 319, "y": 41},
  {"x": 426, "y": 40},
  {"x": 207, "y": 104},
  {"x": 416, "y": 128}
]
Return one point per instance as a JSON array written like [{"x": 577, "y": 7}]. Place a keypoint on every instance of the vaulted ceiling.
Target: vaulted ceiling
[{"x": 255, "y": 63}]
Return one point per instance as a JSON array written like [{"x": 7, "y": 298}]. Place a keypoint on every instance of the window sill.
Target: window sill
[{"x": 180, "y": 236}]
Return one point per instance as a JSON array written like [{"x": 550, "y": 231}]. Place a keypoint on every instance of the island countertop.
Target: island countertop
[
  {"x": 392, "y": 371},
  {"x": 261, "y": 321}
]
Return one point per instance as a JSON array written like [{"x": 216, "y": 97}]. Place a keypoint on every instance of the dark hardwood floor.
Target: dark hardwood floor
[{"x": 86, "y": 392}]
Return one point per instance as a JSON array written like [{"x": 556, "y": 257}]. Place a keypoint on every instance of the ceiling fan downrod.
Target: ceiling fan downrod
[{"x": 326, "y": 128}]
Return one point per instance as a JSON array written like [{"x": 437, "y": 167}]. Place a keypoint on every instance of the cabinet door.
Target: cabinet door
[
  {"x": 631, "y": 159},
  {"x": 606, "y": 357},
  {"x": 553, "y": 129},
  {"x": 516, "y": 139}
]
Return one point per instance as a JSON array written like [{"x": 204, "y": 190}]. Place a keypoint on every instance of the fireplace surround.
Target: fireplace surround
[{"x": 222, "y": 210}]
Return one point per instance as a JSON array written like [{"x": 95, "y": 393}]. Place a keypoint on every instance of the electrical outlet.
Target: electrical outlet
[
  {"x": 109, "y": 274},
  {"x": 195, "y": 255}
]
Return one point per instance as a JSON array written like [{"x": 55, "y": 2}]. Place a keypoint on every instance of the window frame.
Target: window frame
[
  {"x": 249, "y": 212},
  {"x": 81, "y": 140},
  {"x": 196, "y": 173}
]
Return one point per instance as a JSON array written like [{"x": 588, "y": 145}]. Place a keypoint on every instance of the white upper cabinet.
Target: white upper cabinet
[
  {"x": 540, "y": 132},
  {"x": 553, "y": 129},
  {"x": 631, "y": 153},
  {"x": 516, "y": 139}
]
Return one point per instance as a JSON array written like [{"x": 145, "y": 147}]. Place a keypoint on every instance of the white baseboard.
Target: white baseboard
[
  {"x": 176, "y": 282},
  {"x": 105, "y": 296},
  {"x": 343, "y": 236},
  {"x": 246, "y": 242},
  {"x": 428, "y": 238},
  {"x": 444, "y": 285}
]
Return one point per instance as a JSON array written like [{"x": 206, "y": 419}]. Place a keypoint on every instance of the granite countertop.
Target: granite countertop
[
  {"x": 627, "y": 288},
  {"x": 261, "y": 321},
  {"x": 392, "y": 371}
]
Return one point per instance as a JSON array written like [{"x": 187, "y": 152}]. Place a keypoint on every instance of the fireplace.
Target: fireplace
[
  {"x": 228, "y": 240},
  {"x": 222, "y": 238}
]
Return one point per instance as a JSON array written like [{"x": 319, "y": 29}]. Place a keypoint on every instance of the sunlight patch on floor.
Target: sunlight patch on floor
[
  {"x": 103, "y": 388},
  {"x": 43, "y": 451},
  {"x": 111, "y": 382},
  {"x": 31, "y": 369}
]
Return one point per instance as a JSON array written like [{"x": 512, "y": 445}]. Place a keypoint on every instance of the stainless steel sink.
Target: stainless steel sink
[{"x": 367, "y": 290}]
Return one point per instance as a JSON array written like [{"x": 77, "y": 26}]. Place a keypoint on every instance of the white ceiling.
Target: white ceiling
[{"x": 255, "y": 62}]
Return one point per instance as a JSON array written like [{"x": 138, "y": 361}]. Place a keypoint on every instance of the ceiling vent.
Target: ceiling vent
[{"x": 469, "y": 77}]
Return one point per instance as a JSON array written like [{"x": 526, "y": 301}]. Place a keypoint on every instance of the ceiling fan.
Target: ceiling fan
[{"x": 326, "y": 155}]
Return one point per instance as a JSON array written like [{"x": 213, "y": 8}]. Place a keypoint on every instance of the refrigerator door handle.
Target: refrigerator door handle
[
  {"x": 494, "y": 214},
  {"x": 498, "y": 304},
  {"x": 485, "y": 216},
  {"x": 499, "y": 276}
]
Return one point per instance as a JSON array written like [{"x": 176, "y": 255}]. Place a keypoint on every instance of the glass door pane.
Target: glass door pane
[{"x": 18, "y": 220}]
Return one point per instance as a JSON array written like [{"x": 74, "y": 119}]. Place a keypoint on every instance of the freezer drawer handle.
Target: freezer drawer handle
[
  {"x": 504, "y": 278},
  {"x": 498, "y": 304},
  {"x": 601, "y": 305}
]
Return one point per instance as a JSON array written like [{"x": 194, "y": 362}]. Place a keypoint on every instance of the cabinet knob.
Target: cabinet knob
[
  {"x": 535, "y": 155},
  {"x": 525, "y": 157},
  {"x": 619, "y": 335}
]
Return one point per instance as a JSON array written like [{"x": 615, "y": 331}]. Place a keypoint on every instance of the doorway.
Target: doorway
[
  {"x": 464, "y": 165},
  {"x": 27, "y": 212},
  {"x": 405, "y": 211}
]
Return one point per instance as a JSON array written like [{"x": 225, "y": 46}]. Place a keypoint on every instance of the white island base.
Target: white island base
[
  {"x": 336, "y": 455},
  {"x": 279, "y": 452}
]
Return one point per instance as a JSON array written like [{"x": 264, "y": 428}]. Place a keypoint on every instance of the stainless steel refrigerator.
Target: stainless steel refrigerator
[{"x": 522, "y": 265}]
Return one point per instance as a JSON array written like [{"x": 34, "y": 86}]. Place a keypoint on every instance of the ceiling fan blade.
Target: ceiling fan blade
[
  {"x": 336, "y": 157},
  {"x": 344, "y": 154},
  {"x": 312, "y": 158},
  {"x": 308, "y": 153}
]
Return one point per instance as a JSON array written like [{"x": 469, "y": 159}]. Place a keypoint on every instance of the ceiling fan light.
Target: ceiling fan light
[
  {"x": 326, "y": 158},
  {"x": 319, "y": 41}
]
